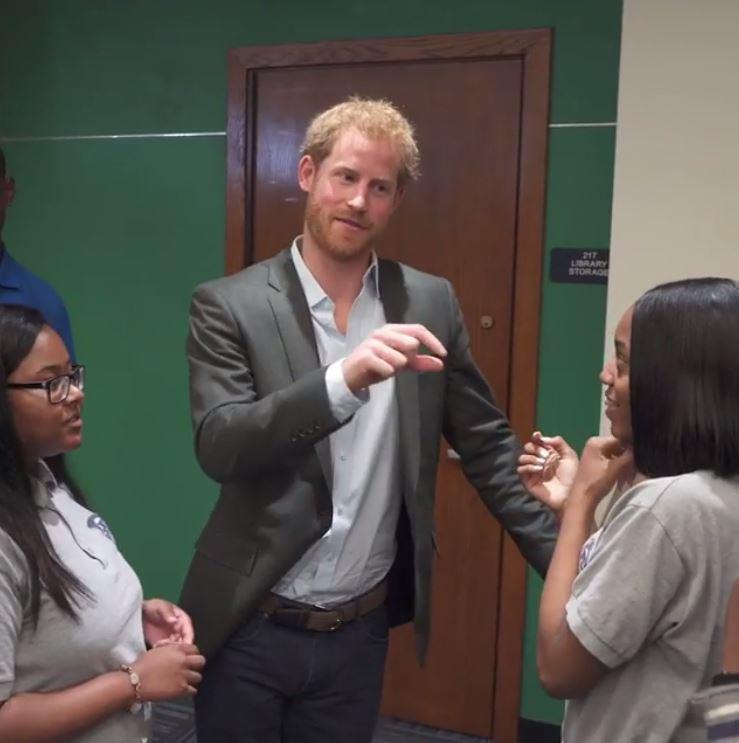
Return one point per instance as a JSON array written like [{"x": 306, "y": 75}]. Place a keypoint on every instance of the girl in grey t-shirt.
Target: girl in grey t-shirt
[
  {"x": 73, "y": 626},
  {"x": 631, "y": 621}
]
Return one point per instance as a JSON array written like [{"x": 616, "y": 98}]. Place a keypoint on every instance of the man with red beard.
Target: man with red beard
[{"x": 326, "y": 454}]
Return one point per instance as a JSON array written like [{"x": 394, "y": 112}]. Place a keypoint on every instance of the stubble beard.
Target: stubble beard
[{"x": 342, "y": 252}]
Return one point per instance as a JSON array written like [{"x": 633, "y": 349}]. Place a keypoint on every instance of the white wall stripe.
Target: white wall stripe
[
  {"x": 79, "y": 137},
  {"x": 582, "y": 125},
  {"x": 175, "y": 135}
]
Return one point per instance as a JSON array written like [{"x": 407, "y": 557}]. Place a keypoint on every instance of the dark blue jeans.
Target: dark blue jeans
[{"x": 277, "y": 684}]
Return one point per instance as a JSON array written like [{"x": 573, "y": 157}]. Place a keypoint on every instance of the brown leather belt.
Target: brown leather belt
[{"x": 304, "y": 616}]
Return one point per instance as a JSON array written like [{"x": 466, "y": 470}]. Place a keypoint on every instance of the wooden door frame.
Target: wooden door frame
[{"x": 533, "y": 47}]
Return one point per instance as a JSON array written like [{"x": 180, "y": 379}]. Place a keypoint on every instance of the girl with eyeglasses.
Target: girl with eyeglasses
[{"x": 73, "y": 625}]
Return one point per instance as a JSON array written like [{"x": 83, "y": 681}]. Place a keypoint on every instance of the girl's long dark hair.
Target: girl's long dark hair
[{"x": 19, "y": 514}]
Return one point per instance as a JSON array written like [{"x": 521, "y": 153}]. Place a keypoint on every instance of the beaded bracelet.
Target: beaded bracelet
[{"x": 133, "y": 677}]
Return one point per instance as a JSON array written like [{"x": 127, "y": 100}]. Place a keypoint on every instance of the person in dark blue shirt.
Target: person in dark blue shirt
[{"x": 18, "y": 285}]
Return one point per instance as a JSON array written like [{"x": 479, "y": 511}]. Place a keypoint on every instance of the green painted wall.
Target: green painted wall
[{"x": 126, "y": 228}]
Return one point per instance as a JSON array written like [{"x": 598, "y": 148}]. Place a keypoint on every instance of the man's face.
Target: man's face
[
  {"x": 351, "y": 194},
  {"x": 7, "y": 191}
]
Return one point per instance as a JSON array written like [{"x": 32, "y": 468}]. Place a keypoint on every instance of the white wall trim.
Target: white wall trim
[{"x": 82, "y": 137}]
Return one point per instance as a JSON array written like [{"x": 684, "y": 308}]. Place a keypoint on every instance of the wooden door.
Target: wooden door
[{"x": 462, "y": 220}]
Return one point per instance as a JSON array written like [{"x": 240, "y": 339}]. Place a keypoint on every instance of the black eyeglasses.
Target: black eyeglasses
[{"x": 57, "y": 389}]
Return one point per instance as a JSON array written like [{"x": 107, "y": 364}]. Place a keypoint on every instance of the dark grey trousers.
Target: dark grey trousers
[{"x": 277, "y": 684}]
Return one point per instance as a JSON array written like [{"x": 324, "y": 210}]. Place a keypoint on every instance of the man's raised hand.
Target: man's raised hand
[{"x": 390, "y": 350}]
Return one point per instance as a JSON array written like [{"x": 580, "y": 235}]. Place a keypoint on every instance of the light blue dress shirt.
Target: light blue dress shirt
[{"x": 358, "y": 550}]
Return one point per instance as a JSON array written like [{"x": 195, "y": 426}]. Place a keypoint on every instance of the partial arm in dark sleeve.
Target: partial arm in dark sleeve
[
  {"x": 480, "y": 432},
  {"x": 238, "y": 433}
]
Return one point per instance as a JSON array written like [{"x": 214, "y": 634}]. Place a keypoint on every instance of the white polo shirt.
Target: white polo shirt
[{"x": 59, "y": 652}]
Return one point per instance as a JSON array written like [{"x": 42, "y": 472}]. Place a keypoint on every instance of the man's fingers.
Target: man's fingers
[
  {"x": 376, "y": 366},
  {"x": 402, "y": 342},
  {"x": 426, "y": 364},
  {"x": 421, "y": 334},
  {"x": 390, "y": 350},
  {"x": 396, "y": 360},
  {"x": 393, "y": 359}
]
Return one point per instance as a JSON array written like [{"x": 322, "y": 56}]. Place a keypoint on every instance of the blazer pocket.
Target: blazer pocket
[{"x": 233, "y": 552}]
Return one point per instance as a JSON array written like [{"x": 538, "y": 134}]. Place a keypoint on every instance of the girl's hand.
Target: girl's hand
[
  {"x": 547, "y": 469},
  {"x": 165, "y": 622},
  {"x": 604, "y": 464},
  {"x": 169, "y": 671}
]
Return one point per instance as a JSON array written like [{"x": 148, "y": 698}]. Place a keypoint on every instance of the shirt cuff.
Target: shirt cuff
[
  {"x": 587, "y": 637},
  {"x": 344, "y": 403}
]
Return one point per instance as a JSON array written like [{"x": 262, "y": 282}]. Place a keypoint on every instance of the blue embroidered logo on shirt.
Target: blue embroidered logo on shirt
[{"x": 97, "y": 522}]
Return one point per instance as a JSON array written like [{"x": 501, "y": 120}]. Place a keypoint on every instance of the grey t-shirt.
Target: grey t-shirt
[
  {"x": 59, "y": 652},
  {"x": 650, "y": 604}
]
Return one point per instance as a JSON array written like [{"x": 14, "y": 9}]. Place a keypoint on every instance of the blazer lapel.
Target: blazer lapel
[
  {"x": 295, "y": 327},
  {"x": 395, "y": 300}
]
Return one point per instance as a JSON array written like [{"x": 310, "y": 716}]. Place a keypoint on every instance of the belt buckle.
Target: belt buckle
[{"x": 336, "y": 624}]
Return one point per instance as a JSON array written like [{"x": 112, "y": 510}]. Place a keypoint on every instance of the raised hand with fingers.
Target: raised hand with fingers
[
  {"x": 390, "y": 350},
  {"x": 604, "y": 464},
  {"x": 547, "y": 469},
  {"x": 165, "y": 622}
]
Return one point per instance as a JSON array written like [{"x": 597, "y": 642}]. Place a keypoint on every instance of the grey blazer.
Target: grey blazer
[{"x": 262, "y": 418}]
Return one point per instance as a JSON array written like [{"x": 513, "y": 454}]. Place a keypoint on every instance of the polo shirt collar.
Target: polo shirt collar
[
  {"x": 44, "y": 483},
  {"x": 8, "y": 270}
]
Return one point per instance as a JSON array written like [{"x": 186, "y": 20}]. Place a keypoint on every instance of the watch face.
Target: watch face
[{"x": 134, "y": 678}]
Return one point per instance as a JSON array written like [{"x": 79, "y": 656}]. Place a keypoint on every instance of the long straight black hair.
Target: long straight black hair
[
  {"x": 684, "y": 378},
  {"x": 19, "y": 514}
]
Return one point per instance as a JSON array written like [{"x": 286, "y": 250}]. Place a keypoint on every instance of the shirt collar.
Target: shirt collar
[
  {"x": 314, "y": 292},
  {"x": 44, "y": 483},
  {"x": 8, "y": 270}
]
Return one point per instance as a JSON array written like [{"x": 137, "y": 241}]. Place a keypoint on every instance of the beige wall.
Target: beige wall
[{"x": 676, "y": 190}]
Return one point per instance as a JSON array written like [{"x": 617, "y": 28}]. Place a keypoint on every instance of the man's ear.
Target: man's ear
[
  {"x": 399, "y": 193},
  {"x": 306, "y": 172}
]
